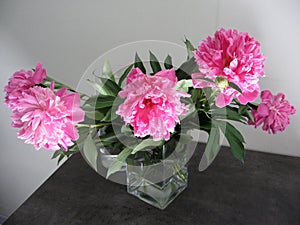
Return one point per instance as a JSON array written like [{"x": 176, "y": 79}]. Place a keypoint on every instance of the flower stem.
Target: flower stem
[
  {"x": 92, "y": 125},
  {"x": 50, "y": 79}
]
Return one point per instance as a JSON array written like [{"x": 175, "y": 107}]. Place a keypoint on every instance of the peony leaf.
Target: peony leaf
[
  {"x": 184, "y": 85},
  {"x": 118, "y": 162},
  {"x": 249, "y": 115},
  {"x": 107, "y": 71},
  {"x": 235, "y": 140},
  {"x": 97, "y": 87},
  {"x": 124, "y": 75},
  {"x": 168, "y": 62},
  {"x": 234, "y": 86},
  {"x": 55, "y": 154},
  {"x": 154, "y": 63},
  {"x": 146, "y": 143},
  {"x": 111, "y": 87},
  {"x": 213, "y": 144},
  {"x": 106, "y": 87},
  {"x": 190, "y": 48},
  {"x": 229, "y": 113},
  {"x": 138, "y": 63},
  {"x": 187, "y": 69},
  {"x": 205, "y": 79},
  {"x": 100, "y": 101},
  {"x": 185, "y": 138},
  {"x": 126, "y": 129},
  {"x": 90, "y": 151},
  {"x": 94, "y": 115},
  {"x": 242, "y": 109},
  {"x": 107, "y": 117}
]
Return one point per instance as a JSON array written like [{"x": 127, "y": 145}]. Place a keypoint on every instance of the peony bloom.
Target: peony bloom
[
  {"x": 21, "y": 81},
  {"x": 152, "y": 104},
  {"x": 48, "y": 119},
  {"x": 230, "y": 56},
  {"x": 273, "y": 112}
]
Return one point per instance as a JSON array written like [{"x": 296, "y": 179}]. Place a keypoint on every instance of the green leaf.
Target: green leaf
[
  {"x": 107, "y": 117},
  {"x": 107, "y": 71},
  {"x": 100, "y": 101},
  {"x": 205, "y": 79},
  {"x": 146, "y": 143},
  {"x": 90, "y": 151},
  {"x": 154, "y": 63},
  {"x": 242, "y": 109},
  {"x": 235, "y": 140},
  {"x": 55, "y": 154},
  {"x": 252, "y": 105},
  {"x": 168, "y": 62},
  {"x": 106, "y": 87},
  {"x": 190, "y": 48},
  {"x": 234, "y": 86},
  {"x": 83, "y": 133},
  {"x": 138, "y": 63},
  {"x": 118, "y": 161},
  {"x": 184, "y": 85},
  {"x": 186, "y": 69},
  {"x": 94, "y": 115},
  {"x": 110, "y": 137},
  {"x": 229, "y": 113},
  {"x": 124, "y": 75},
  {"x": 213, "y": 144},
  {"x": 249, "y": 115},
  {"x": 97, "y": 87},
  {"x": 111, "y": 87},
  {"x": 61, "y": 156},
  {"x": 185, "y": 138},
  {"x": 126, "y": 129}
]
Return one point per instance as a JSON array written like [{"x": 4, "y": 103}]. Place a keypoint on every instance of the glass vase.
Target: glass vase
[{"x": 157, "y": 184}]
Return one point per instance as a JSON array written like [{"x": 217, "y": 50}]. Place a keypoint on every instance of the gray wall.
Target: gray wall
[{"x": 68, "y": 35}]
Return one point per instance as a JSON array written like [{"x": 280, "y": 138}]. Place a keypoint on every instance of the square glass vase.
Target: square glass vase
[{"x": 157, "y": 185}]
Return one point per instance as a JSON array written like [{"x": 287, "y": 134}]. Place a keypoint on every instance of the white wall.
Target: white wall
[{"x": 68, "y": 35}]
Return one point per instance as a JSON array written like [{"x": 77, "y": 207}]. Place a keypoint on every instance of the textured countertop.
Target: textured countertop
[{"x": 263, "y": 190}]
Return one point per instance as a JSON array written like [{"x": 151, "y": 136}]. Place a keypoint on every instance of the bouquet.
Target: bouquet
[{"x": 141, "y": 111}]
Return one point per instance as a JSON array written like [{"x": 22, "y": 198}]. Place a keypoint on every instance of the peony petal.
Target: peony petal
[
  {"x": 222, "y": 100},
  {"x": 169, "y": 74},
  {"x": 247, "y": 97},
  {"x": 134, "y": 74}
]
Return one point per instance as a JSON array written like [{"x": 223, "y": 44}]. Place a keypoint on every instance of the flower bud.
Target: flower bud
[{"x": 221, "y": 82}]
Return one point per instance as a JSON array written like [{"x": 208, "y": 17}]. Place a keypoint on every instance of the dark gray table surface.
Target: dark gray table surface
[{"x": 263, "y": 190}]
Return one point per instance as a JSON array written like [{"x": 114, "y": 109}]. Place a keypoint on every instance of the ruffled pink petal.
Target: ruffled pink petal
[
  {"x": 273, "y": 112},
  {"x": 168, "y": 74},
  {"x": 47, "y": 119},
  {"x": 222, "y": 100},
  {"x": 39, "y": 73},
  {"x": 152, "y": 105},
  {"x": 233, "y": 55},
  {"x": 134, "y": 74},
  {"x": 248, "y": 97}
]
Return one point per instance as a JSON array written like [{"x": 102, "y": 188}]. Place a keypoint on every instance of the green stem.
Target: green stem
[
  {"x": 180, "y": 172},
  {"x": 93, "y": 125},
  {"x": 50, "y": 79}
]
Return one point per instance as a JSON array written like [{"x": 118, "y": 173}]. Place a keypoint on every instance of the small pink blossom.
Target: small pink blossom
[
  {"x": 235, "y": 57},
  {"x": 48, "y": 119},
  {"x": 21, "y": 81},
  {"x": 152, "y": 104},
  {"x": 273, "y": 112}
]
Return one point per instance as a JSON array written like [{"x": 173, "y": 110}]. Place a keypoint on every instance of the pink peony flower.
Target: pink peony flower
[
  {"x": 273, "y": 112},
  {"x": 21, "y": 81},
  {"x": 230, "y": 56},
  {"x": 152, "y": 104},
  {"x": 47, "y": 119}
]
